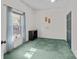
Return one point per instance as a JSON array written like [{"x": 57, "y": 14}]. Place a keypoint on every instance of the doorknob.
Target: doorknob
[{"x": 3, "y": 42}]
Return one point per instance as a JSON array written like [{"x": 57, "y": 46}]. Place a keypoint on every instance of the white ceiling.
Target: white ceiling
[{"x": 45, "y": 4}]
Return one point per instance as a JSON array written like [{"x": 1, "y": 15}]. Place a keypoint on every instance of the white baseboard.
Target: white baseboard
[{"x": 75, "y": 52}]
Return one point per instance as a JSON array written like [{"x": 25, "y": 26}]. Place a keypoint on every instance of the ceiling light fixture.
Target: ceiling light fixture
[{"x": 52, "y": 1}]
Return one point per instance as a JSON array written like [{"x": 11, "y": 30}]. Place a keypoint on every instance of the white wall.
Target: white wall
[
  {"x": 74, "y": 27},
  {"x": 56, "y": 29}
]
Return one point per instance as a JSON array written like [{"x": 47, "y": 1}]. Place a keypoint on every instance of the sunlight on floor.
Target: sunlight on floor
[{"x": 30, "y": 53}]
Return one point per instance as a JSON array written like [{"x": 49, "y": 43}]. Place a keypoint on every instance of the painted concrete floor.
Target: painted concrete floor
[{"x": 42, "y": 49}]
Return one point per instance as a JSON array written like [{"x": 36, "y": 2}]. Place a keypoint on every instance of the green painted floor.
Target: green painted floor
[{"x": 42, "y": 49}]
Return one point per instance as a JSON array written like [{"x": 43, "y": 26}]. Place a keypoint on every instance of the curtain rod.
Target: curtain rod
[{"x": 13, "y": 8}]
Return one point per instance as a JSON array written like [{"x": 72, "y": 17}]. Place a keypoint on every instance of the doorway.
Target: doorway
[
  {"x": 15, "y": 28},
  {"x": 69, "y": 29}
]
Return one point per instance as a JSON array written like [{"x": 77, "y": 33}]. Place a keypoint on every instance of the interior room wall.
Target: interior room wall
[
  {"x": 56, "y": 29},
  {"x": 74, "y": 27}
]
